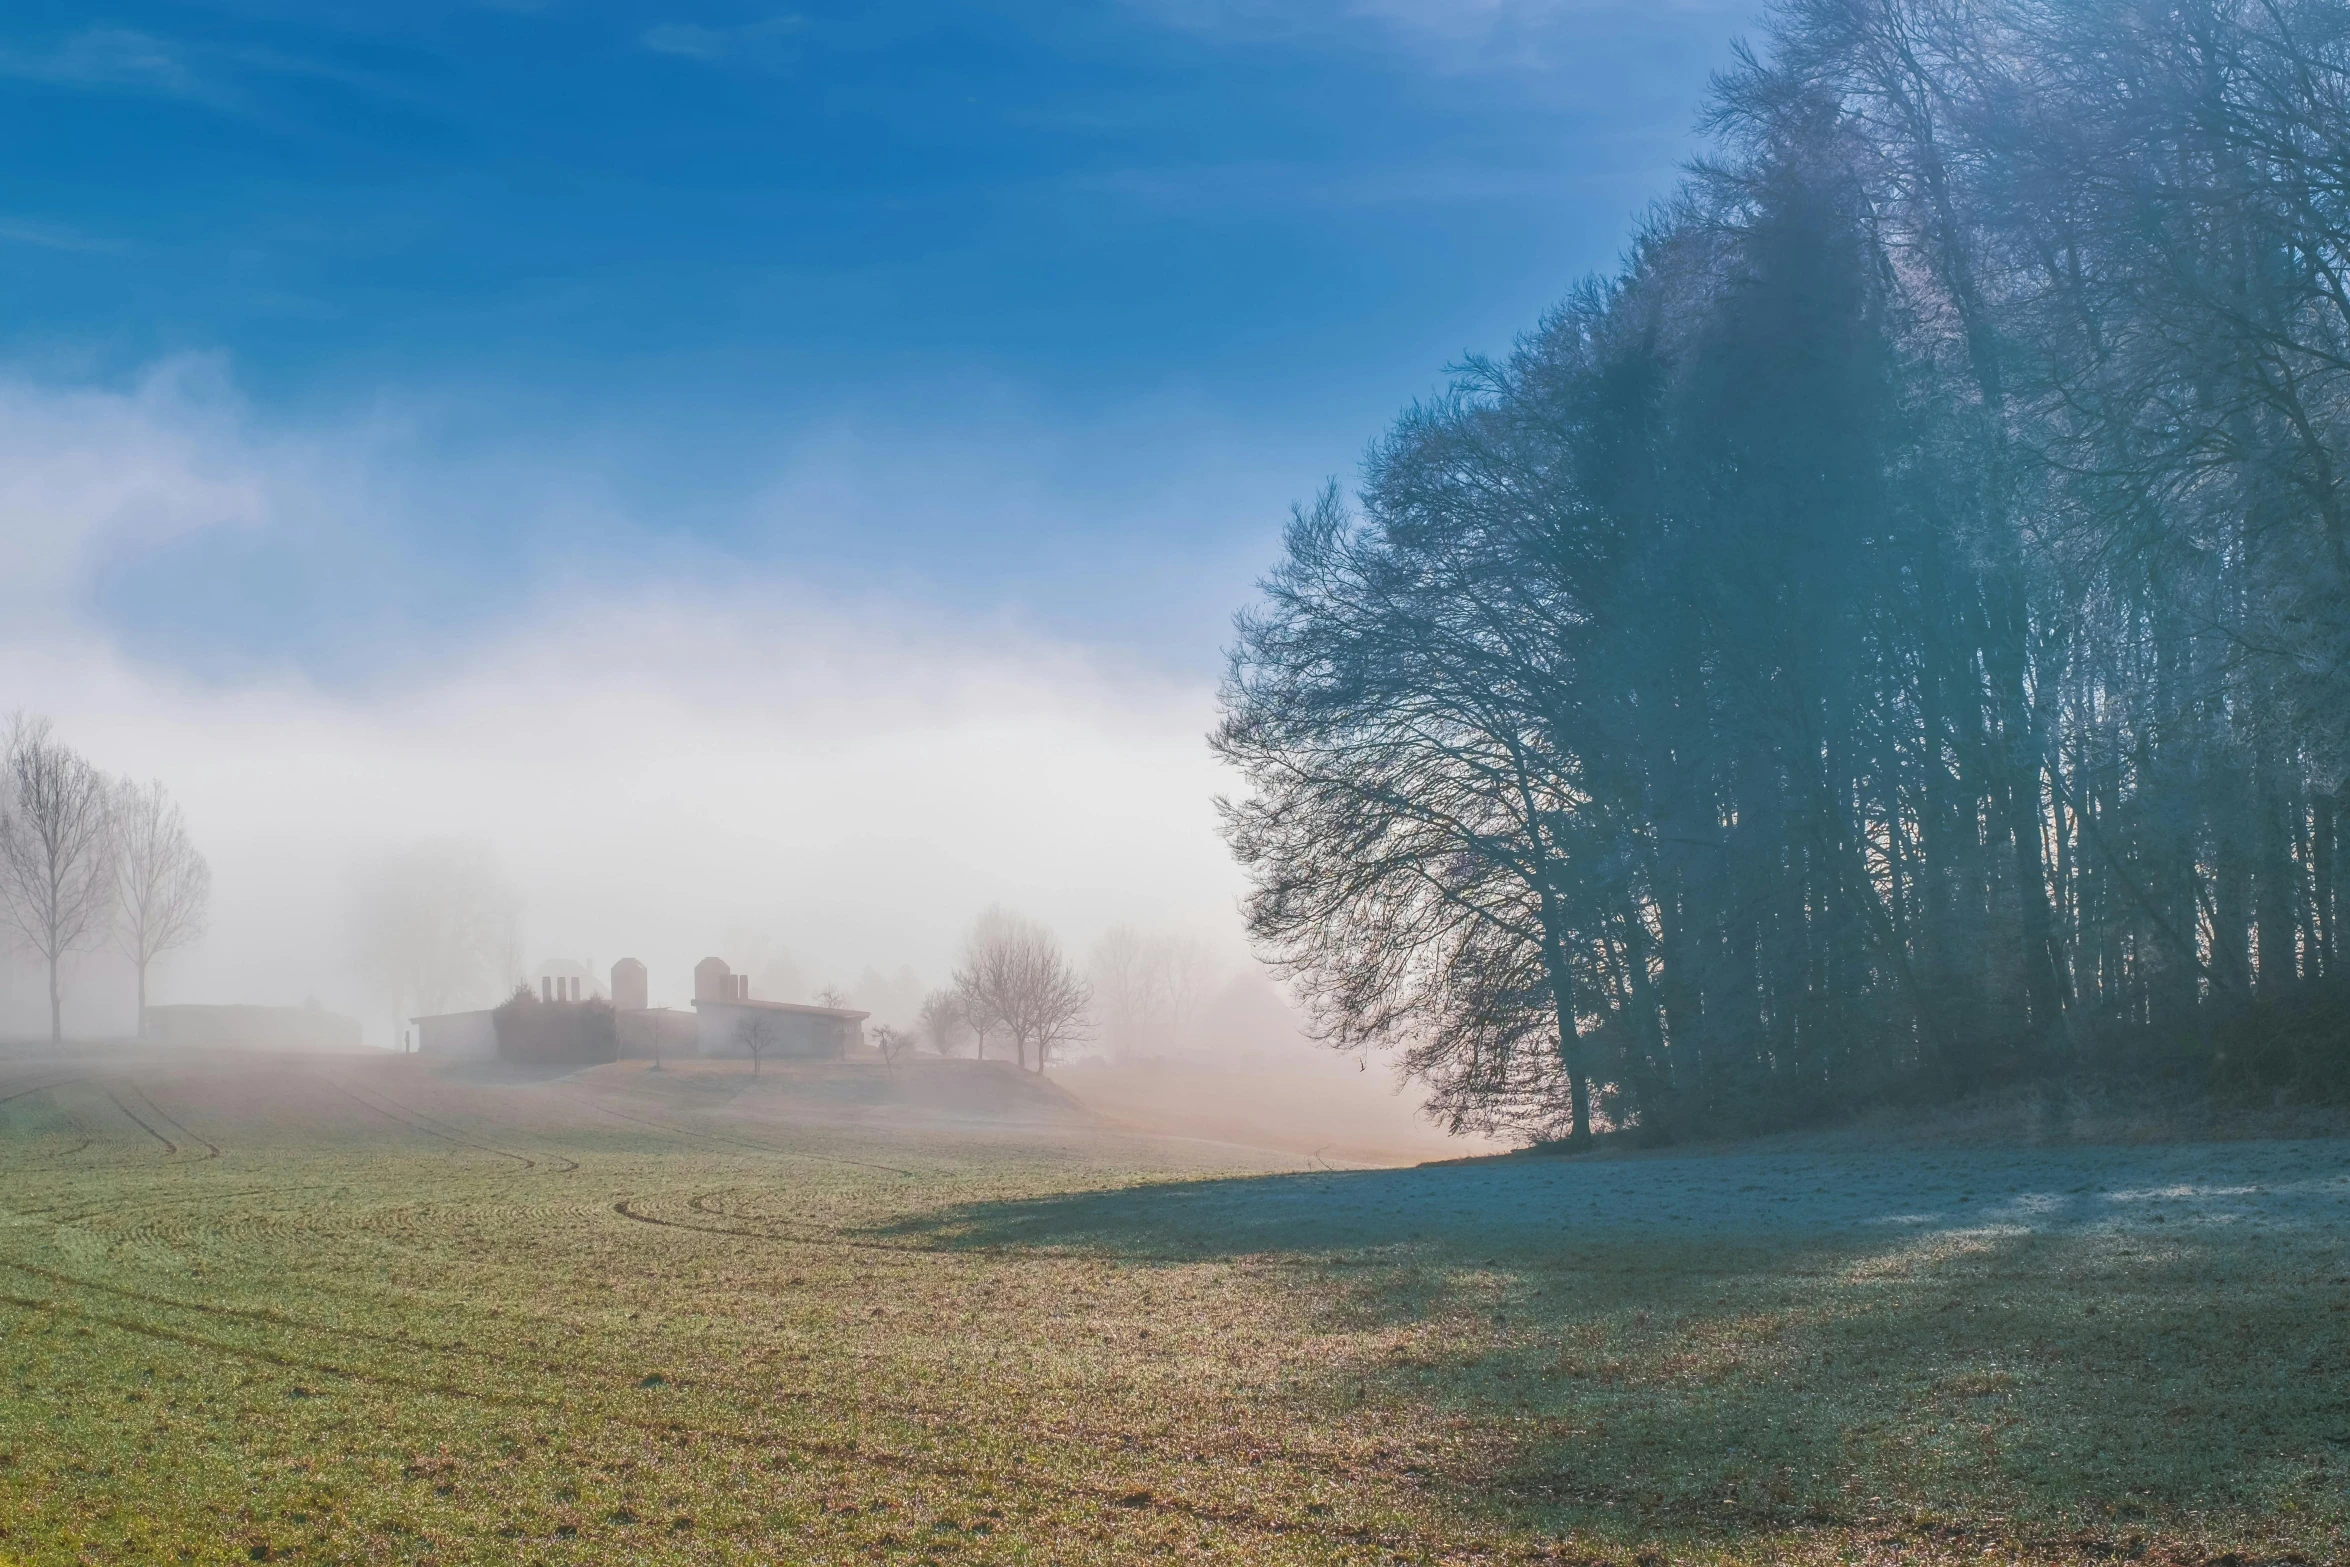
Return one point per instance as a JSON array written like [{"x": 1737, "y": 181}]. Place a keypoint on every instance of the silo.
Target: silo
[{"x": 628, "y": 986}]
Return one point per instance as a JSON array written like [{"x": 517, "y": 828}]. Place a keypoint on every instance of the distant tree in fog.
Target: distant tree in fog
[
  {"x": 56, "y": 852},
  {"x": 1149, "y": 988},
  {"x": 892, "y": 998},
  {"x": 980, "y": 980},
  {"x": 1122, "y": 987},
  {"x": 162, "y": 885},
  {"x": 942, "y": 1022},
  {"x": 1014, "y": 977},
  {"x": 983, "y": 979},
  {"x": 436, "y": 928},
  {"x": 1056, "y": 1007},
  {"x": 831, "y": 996},
  {"x": 894, "y": 1043}
]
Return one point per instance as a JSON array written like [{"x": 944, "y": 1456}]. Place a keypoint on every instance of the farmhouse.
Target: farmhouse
[
  {"x": 733, "y": 1024},
  {"x": 563, "y": 1019}
]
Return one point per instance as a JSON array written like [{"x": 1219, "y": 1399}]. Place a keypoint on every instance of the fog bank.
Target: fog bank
[{"x": 717, "y": 757}]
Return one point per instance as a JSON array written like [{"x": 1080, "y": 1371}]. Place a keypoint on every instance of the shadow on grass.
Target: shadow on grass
[
  {"x": 1522, "y": 1207},
  {"x": 2074, "y": 1345}
]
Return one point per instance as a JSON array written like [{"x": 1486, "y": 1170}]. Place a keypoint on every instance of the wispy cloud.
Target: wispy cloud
[
  {"x": 118, "y": 59},
  {"x": 226, "y": 79},
  {"x": 766, "y": 43},
  {"x": 1443, "y": 35},
  {"x": 1203, "y": 189},
  {"x": 53, "y": 236}
]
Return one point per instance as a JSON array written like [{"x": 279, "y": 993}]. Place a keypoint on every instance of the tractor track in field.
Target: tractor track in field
[
  {"x": 64, "y": 1213},
  {"x": 739, "y": 1142},
  {"x": 70, "y": 1119},
  {"x": 169, "y": 1147},
  {"x": 376, "y": 1101},
  {"x": 536, "y": 1362},
  {"x": 519, "y": 1362},
  {"x": 42, "y": 1088},
  {"x": 259, "y": 1314},
  {"x": 847, "y": 1451},
  {"x": 211, "y": 1148},
  {"x": 557, "y": 1164},
  {"x": 820, "y": 1237},
  {"x": 626, "y": 1209},
  {"x": 712, "y": 1205}
]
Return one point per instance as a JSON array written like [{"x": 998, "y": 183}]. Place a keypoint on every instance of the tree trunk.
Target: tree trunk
[
  {"x": 56, "y": 1007},
  {"x": 1562, "y": 995}
]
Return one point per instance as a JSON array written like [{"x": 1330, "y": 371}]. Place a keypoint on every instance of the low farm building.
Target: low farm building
[
  {"x": 733, "y": 1024},
  {"x": 458, "y": 1036}
]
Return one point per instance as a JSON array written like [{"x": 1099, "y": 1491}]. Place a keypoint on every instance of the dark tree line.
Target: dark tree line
[{"x": 1891, "y": 640}]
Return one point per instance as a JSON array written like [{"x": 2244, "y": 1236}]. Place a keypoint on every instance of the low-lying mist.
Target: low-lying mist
[
  {"x": 716, "y": 758},
  {"x": 662, "y": 781},
  {"x": 708, "y": 757}
]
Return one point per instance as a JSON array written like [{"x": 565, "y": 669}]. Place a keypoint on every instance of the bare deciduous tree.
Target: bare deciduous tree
[
  {"x": 894, "y": 1043},
  {"x": 1014, "y": 976},
  {"x": 162, "y": 885},
  {"x": 983, "y": 978},
  {"x": 1055, "y": 1007},
  {"x": 758, "y": 1033},
  {"x": 56, "y": 852}
]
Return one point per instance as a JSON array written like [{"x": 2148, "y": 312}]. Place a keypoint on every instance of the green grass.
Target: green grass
[{"x": 399, "y": 1317}]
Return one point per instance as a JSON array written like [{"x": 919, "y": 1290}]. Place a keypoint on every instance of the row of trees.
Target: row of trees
[
  {"x": 86, "y": 859},
  {"x": 1141, "y": 993},
  {"x": 1013, "y": 983},
  {"x": 1891, "y": 639}
]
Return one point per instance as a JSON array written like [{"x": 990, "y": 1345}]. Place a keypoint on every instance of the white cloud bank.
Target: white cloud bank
[{"x": 658, "y": 773}]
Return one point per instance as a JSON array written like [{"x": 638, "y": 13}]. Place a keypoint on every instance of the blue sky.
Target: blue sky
[
  {"x": 1038, "y": 313},
  {"x": 770, "y": 478}
]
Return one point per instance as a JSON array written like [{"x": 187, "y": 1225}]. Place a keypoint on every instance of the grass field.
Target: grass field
[{"x": 364, "y": 1310}]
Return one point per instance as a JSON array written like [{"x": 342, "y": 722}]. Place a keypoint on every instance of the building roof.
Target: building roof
[{"x": 845, "y": 1014}]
